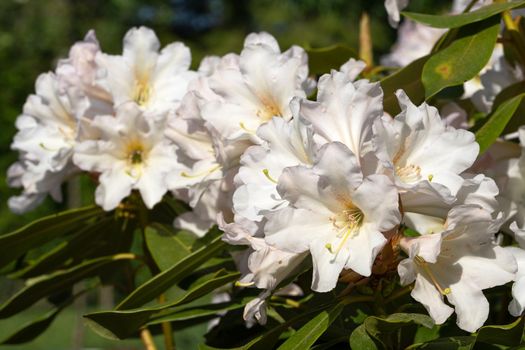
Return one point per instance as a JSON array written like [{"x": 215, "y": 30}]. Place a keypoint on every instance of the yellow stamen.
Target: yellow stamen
[
  {"x": 203, "y": 173},
  {"x": 424, "y": 265},
  {"x": 430, "y": 177},
  {"x": 244, "y": 284},
  {"x": 142, "y": 92},
  {"x": 250, "y": 131},
  {"x": 267, "y": 174}
]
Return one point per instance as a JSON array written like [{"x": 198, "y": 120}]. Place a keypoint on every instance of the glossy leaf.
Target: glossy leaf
[
  {"x": 509, "y": 335},
  {"x": 82, "y": 245},
  {"x": 453, "y": 21},
  {"x": 45, "y": 285},
  {"x": 167, "y": 278},
  {"x": 463, "y": 59},
  {"x": 496, "y": 122},
  {"x": 408, "y": 79},
  {"x": 360, "y": 339},
  {"x": 120, "y": 324},
  {"x": 193, "y": 312},
  {"x": 449, "y": 343},
  {"x": 307, "y": 335},
  {"x": 35, "y": 327},
  {"x": 16, "y": 243},
  {"x": 167, "y": 246},
  {"x": 321, "y": 60}
]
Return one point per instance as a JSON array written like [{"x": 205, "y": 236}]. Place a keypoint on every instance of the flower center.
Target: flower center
[
  {"x": 269, "y": 109},
  {"x": 408, "y": 173},
  {"x": 428, "y": 272},
  {"x": 136, "y": 156},
  {"x": 142, "y": 92},
  {"x": 347, "y": 224}
]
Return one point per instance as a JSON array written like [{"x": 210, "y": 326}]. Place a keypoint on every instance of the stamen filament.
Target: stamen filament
[
  {"x": 267, "y": 174},
  {"x": 244, "y": 284},
  {"x": 206, "y": 172},
  {"x": 424, "y": 265}
]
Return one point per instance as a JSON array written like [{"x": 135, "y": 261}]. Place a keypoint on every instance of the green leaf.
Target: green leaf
[
  {"x": 167, "y": 278},
  {"x": 167, "y": 247},
  {"x": 16, "y": 243},
  {"x": 496, "y": 122},
  {"x": 82, "y": 245},
  {"x": 449, "y": 343},
  {"x": 306, "y": 336},
  {"x": 35, "y": 327},
  {"x": 359, "y": 339},
  {"x": 200, "y": 311},
  {"x": 453, "y": 21},
  {"x": 509, "y": 335},
  {"x": 463, "y": 59},
  {"x": 48, "y": 284},
  {"x": 408, "y": 79},
  {"x": 321, "y": 60},
  {"x": 120, "y": 324},
  {"x": 383, "y": 329}
]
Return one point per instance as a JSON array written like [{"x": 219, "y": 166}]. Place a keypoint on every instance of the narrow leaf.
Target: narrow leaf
[
  {"x": 121, "y": 324},
  {"x": 16, "y": 243},
  {"x": 463, "y": 59},
  {"x": 453, "y": 21},
  {"x": 49, "y": 284},
  {"x": 164, "y": 280},
  {"x": 306, "y": 336},
  {"x": 167, "y": 246},
  {"x": 496, "y": 123}
]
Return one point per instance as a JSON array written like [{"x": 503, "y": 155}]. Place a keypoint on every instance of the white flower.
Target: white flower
[
  {"x": 46, "y": 136},
  {"x": 425, "y": 206},
  {"x": 205, "y": 180},
  {"x": 131, "y": 153},
  {"x": 78, "y": 75},
  {"x": 393, "y": 7},
  {"x": 345, "y": 111},
  {"x": 156, "y": 81},
  {"x": 419, "y": 147},
  {"x": 285, "y": 144},
  {"x": 335, "y": 213},
  {"x": 458, "y": 263},
  {"x": 254, "y": 87},
  {"x": 414, "y": 40},
  {"x": 517, "y": 304},
  {"x": 498, "y": 75}
]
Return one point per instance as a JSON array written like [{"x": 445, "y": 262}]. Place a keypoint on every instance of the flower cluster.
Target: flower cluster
[{"x": 330, "y": 181}]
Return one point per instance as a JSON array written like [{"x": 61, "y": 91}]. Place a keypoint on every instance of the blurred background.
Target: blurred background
[{"x": 34, "y": 34}]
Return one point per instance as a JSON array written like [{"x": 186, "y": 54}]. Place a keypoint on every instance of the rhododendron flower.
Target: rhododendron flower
[
  {"x": 254, "y": 87},
  {"x": 131, "y": 153},
  {"x": 418, "y": 146},
  {"x": 78, "y": 75},
  {"x": 345, "y": 111},
  {"x": 517, "y": 304},
  {"x": 47, "y": 130},
  {"x": 285, "y": 144},
  {"x": 335, "y": 213},
  {"x": 155, "y": 81},
  {"x": 459, "y": 263},
  {"x": 393, "y": 7}
]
